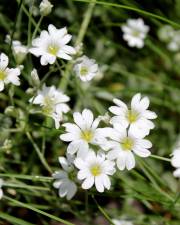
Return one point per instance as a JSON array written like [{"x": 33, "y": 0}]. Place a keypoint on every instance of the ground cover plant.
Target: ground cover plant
[{"x": 89, "y": 112}]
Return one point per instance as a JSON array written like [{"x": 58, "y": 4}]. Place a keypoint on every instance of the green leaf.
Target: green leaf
[{"x": 13, "y": 220}]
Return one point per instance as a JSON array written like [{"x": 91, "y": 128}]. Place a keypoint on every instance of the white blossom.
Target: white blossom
[
  {"x": 165, "y": 33},
  {"x": 95, "y": 169},
  {"x": 175, "y": 161},
  {"x": 53, "y": 103},
  {"x": 174, "y": 44},
  {"x": 1, "y": 191},
  {"x": 7, "y": 75},
  {"x": 122, "y": 222},
  {"x": 138, "y": 117},
  {"x": 134, "y": 32},
  {"x": 86, "y": 68},
  {"x": 19, "y": 51},
  {"x": 67, "y": 187},
  {"x": 52, "y": 44},
  {"x": 45, "y": 7},
  {"x": 122, "y": 145},
  {"x": 82, "y": 133}
]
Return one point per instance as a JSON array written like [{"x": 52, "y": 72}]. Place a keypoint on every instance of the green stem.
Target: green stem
[
  {"x": 37, "y": 27},
  {"x": 29, "y": 23},
  {"x": 14, "y": 28},
  {"x": 30, "y": 187},
  {"x": 133, "y": 9},
  {"x": 41, "y": 157},
  {"x": 102, "y": 211},
  {"x": 87, "y": 17},
  {"x": 30, "y": 207},
  {"x": 160, "y": 158},
  {"x": 27, "y": 177},
  {"x": 27, "y": 14}
]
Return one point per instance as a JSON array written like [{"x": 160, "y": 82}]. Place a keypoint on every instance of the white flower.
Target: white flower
[
  {"x": 19, "y": 51},
  {"x": 45, "y": 7},
  {"x": 122, "y": 222},
  {"x": 7, "y": 75},
  {"x": 82, "y": 133},
  {"x": 95, "y": 169},
  {"x": 123, "y": 144},
  {"x": 53, "y": 103},
  {"x": 1, "y": 191},
  {"x": 86, "y": 68},
  {"x": 52, "y": 44},
  {"x": 135, "y": 32},
  {"x": 175, "y": 161},
  {"x": 64, "y": 182},
  {"x": 137, "y": 117},
  {"x": 174, "y": 44},
  {"x": 165, "y": 33}
]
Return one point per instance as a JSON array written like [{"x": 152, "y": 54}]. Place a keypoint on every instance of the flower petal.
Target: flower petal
[{"x": 88, "y": 182}]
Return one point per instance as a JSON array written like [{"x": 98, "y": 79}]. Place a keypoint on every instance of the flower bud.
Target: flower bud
[
  {"x": 11, "y": 111},
  {"x": 45, "y": 7},
  {"x": 35, "y": 78},
  {"x": 19, "y": 51}
]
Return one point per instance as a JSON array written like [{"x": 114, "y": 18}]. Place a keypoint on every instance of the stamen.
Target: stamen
[
  {"x": 87, "y": 135},
  {"x": 53, "y": 49},
  {"x": 127, "y": 144},
  {"x": 95, "y": 170},
  {"x": 132, "y": 116},
  {"x": 83, "y": 71},
  {"x": 2, "y": 75}
]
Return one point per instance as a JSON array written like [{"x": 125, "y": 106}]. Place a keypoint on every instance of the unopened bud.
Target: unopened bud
[
  {"x": 45, "y": 7},
  {"x": 11, "y": 111},
  {"x": 35, "y": 78}
]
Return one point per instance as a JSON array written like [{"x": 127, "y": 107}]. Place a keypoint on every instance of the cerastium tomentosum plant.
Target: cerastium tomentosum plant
[{"x": 69, "y": 143}]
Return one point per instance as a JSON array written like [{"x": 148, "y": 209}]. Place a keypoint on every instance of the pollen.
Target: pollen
[
  {"x": 136, "y": 33},
  {"x": 48, "y": 106},
  {"x": 87, "y": 135},
  {"x": 132, "y": 116},
  {"x": 53, "y": 49},
  {"x": 83, "y": 71},
  {"x": 95, "y": 170},
  {"x": 2, "y": 75},
  {"x": 127, "y": 144}
]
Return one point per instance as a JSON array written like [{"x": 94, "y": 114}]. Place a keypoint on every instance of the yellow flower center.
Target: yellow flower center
[
  {"x": 95, "y": 170},
  {"x": 83, "y": 71},
  {"x": 53, "y": 49},
  {"x": 2, "y": 75},
  {"x": 135, "y": 33},
  {"x": 132, "y": 116},
  {"x": 127, "y": 144},
  {"x": 87, "y": 135},
  {"x": 48, "y": 106}
]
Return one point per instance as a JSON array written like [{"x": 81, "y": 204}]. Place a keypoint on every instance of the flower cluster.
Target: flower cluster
[
  {"x": 171, "y": 37},
  {"x": 97, "y": 151},
  {"x": 134, "y": 32}
]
